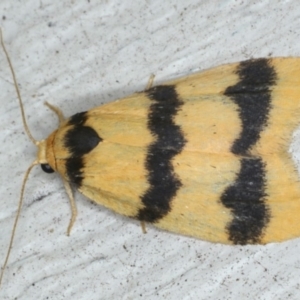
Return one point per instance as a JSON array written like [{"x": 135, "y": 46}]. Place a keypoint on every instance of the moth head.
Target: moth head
[
  {"x": 45, "y": 156},
  {"x": 46, "y": 165}
]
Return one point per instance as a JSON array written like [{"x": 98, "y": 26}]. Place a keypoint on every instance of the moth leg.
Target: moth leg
[
  {"x": 150, "y": 82},
  {"x": 143, "y": 224},
  {"x": 73, "y": 206},
  {"x": 58, "y": 112}
]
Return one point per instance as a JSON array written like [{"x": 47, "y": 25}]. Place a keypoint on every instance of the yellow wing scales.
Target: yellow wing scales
[{"x": 222, "y": 143}]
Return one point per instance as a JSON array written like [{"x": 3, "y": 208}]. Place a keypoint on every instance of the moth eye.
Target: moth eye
[{"x": 46, "y": 168}]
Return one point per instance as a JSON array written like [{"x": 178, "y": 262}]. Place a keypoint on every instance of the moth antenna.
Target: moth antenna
[
  {"x": 17, "y": 90},
  {"x": 30, "y": 167},
  {"x": 16, "y": 219}
]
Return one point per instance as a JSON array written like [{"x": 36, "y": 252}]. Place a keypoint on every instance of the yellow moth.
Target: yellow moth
[{"x": 206, "y": 155}]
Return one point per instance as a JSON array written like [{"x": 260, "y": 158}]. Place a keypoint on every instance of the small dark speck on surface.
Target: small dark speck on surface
[{"x": 41, "y": 197}]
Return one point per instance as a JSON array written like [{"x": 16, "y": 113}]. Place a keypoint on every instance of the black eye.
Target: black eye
[{"x": 46, "y": 168}]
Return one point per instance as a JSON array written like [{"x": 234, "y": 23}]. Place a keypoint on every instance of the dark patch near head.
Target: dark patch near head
[
  {"x": 169, "y": 142},
  {"x": 252, "y": 94},
  {"x": 245, "y": 198},
  {"x": 46, "y": 168},
  {"x": 79, "y": 140}
]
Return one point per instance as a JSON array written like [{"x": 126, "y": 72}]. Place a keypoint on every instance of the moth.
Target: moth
[{"x": 206, "y": 155}]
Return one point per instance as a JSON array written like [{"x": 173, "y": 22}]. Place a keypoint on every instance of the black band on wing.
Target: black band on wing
[
  {"x": 253, "y": 96},
  {"x": 169, "y": 142},
  {"x": 246, "y": 196}
]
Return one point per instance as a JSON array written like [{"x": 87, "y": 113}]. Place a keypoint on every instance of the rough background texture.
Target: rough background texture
[{"x": 79, "y": 54}]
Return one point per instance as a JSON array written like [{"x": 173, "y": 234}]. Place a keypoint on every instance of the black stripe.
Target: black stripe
[
  {"x": 79, "y": 140},
  {"x": 253, "y": 96},
  {"x": 74, "y": 166},
  {"x": 246, "y": 196},
  {"x": 169, "y": 142},
  {"x": 78, "y": 119}
]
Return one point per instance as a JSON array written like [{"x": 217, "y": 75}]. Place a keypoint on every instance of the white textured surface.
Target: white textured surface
[{"x": 79, "y": 54}]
